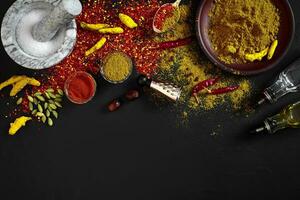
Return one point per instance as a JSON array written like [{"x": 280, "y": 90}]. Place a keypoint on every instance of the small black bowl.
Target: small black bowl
[{"x": 285, "y": 38}]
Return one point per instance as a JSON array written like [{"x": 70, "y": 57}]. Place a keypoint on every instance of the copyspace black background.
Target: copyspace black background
[{"x": 140, "y": 153}]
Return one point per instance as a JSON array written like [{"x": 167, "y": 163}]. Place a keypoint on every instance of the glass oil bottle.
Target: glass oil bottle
[{"x": 287, "y": 118}]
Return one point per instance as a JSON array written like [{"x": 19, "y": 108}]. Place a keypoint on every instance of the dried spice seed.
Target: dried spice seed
[
  {"x": 60, "y": 92},
  {"x": 40, "y": 108},
  {"x": 48, "y": 113},
  {"x": 58, "y": 104},
  {"x": 38, "y": 94},
  {"x": 34, "y": 112},
  {"x": 20, "y": 100},
  {"x": 50, "y": 90},
  {"x": 47, "y": 95},
  {"x": 40, "y": 114},
  {"x": 30, "y": 98},
  {"x": 30, "y": 106},
  {"x": 55, "y": 114},
  {"x": 50, "y": 122},
  {"x": 35, "y": 101},
  {"x": 44, "y": 118},
  {"x": 41, "y": 98},
  {"x": 53, "y": 106},
  {"x": 45, "y": 105}
]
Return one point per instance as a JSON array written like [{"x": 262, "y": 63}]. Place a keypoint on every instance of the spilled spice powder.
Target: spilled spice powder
[
  {"x": 166, "y": 17},
  {"x": 186, "y": 67},
  {"x": 239, "y": 27}
]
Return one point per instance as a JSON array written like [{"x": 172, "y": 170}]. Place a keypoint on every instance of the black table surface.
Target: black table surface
[{"x": 140, "y": 153}]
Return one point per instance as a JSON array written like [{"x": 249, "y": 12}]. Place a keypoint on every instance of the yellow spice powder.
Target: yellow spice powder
[
  {"x": 117, "y": 67},
  {"x": 186, "y": 66},
  {"x": 239, "y": 27}
]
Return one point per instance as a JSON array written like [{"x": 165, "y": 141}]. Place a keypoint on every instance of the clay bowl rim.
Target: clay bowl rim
[{"x": 230, "y": 67}]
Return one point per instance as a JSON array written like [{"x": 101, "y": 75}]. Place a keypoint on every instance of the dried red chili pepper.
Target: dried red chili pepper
[
  {"x": 174, "y": 44},
  {"x": 223, "y": 90},
  {"x": 202, "y": 85}
]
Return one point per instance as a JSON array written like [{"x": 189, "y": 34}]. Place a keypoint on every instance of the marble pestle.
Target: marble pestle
[{"x": 59, "y": 16}]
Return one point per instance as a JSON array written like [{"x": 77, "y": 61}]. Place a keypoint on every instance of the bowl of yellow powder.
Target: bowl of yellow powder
[
  {"x": 245, "y": 36},
  {"x": 116, "y": 67}
]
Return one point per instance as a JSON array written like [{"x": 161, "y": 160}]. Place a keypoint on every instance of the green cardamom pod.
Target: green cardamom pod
[
  {"x": 55, "y": 114},
  {"x": 35, "y": 101},
  {"x": 58, "y": 100},
  {"x": 40, "y": 114},
  {"x": 44, "y": 118},
  {"x": 37, "y": 94},
  {"x": 30, "y": 106},
  {"x": 40, "y": 108},
  {"x": 53, "y": 106},
  {"x": 52, "y": 95},
  {"x": 41, "y": 98},
  {"x": 58, "y": 104},
  {"x": 50, "y": 90},
  {"x": 34, "y": 112},
  {"x": 30, "y": 98},
  {"x": 50, "y": 122},
  {"x": 20, "y": 100},
  {"x": 48, "y": 113},
  {"x": 60, "y": 92},
  {"x": 51, "y": 101},
  {"x": 47, "y": 95},
  {"x": 45, "y": 105}
]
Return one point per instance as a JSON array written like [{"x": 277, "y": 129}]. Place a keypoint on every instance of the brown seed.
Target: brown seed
[
  {"x": 114, "y": 105},
  {"x": 132, "y": 95}
]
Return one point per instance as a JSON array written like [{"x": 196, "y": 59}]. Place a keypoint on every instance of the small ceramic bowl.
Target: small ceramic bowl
[
  {"x": 92, "y": 82},
  {"x": 285, "y": 38},
  {"x": 105, "y": 60}
]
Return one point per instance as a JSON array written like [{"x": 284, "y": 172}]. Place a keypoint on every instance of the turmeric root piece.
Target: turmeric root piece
[
  {"x": 96, "y": 47},
  {"x": 18, "y": 86},
  {"x": 17, "y": 124},
  {"x": 272, "y": 49},
  {"x": 93, "y": 27},
  {"x": 128, "y": 21},
  {"x": 115, "y": 30},
  {"x": 11, "y": 81},
  {"x": 257, "y": 56}
]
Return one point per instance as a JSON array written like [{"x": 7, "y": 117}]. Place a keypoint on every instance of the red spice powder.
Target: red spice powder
[{"x": 80, "y": 88}]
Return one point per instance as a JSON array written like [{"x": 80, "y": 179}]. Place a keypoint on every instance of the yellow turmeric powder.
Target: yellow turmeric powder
[
  {"x": 117, "y": 66},
  {"x": 185, "y": 67},
  {"x": 249, "y": 26}
]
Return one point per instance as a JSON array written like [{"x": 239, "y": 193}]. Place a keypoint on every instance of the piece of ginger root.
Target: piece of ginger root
[
  {"x": 17, "y": 124},
  {"x": 18, "y": 83},
  {"x": 257, "y": 56}
]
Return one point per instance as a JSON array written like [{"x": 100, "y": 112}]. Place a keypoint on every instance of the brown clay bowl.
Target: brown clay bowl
[{"x": 285, "y": 38}]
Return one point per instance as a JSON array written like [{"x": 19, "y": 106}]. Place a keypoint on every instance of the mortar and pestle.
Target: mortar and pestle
[{"x": 38, "y": 34}]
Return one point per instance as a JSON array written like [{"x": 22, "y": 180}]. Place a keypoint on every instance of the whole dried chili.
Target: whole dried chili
[
  {"x": 222, "y": 90},
  {"x": 202, "y": 85},
  {"x": 174, "y": 44}
]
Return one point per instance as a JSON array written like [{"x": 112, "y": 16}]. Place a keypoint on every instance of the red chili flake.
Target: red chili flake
[{"x": 137, "y": 43}]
